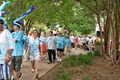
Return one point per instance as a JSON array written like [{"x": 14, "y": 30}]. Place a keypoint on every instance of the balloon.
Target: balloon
[
  {"x": 3, "y": 13},
  {"x": 23, "y": 16},
  {"x": 2, "y": 7},
  {"x": 32, "y": 8},
  {"x": 5, "y": 26}
]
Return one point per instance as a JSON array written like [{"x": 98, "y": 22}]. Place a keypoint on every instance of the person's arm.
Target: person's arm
[
  {"x": 55, "y": 44},
  {"x": 19, "y": 37},
  {"x": 10, "y": 45}
]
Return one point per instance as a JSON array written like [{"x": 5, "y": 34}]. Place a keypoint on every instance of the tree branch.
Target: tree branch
[{"x": 87, "y": 6}]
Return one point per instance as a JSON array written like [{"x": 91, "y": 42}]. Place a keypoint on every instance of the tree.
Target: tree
[{"x": 109, "y": 10}]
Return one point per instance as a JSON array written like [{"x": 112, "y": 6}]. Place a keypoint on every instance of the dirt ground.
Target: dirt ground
[{"x": 97, "y": 70}]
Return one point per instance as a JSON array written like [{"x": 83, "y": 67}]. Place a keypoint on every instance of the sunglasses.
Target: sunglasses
[{"x": 1, "y": 23}]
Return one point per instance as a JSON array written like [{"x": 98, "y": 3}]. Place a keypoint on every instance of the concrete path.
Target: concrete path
[{"x": 43, "y": 67}]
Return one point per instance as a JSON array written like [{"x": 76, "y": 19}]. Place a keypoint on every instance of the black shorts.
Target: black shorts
[
  {"x": 16, "y": 62},
  {"x": 60, "y": 50}
]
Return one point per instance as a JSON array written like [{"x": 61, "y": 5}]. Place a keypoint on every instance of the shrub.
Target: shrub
[
  {"x": 65, "y": 76},
  {"x": 97, "y": 53},
  {"x": 91, "y": 55},
  {"x": 64, "y": 64},
  {"x": 72, "y": 60},
  {"x": 84, "y": 59},
  {"x": 85, "y": 78},
  {"x": 98, "y": 43}
]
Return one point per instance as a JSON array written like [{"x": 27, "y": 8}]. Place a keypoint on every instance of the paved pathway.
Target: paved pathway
[{"x": 43, "y": 67}]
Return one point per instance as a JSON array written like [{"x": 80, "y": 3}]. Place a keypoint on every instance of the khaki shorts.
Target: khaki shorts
[{"x": 16, "y": 62}]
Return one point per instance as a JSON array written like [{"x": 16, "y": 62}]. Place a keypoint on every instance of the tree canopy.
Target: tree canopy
[{"x": 52, "y": 12}]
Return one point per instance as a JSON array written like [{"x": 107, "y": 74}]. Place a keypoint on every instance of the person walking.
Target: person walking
[
  {"x": 34, "y": 50},
  {"x": 16, "y": 59},
  {"x": 51, "y": 47},
  {"x": 60, "y": 46},
  {"x": 6, "y": 47}
]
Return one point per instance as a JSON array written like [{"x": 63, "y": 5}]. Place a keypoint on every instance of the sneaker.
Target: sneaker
[
  {"x": 25, "y": 60},
  {"x": 60, "y": 60},
  {"x": 32, "y": 70},
  {"x": 21, "y": 74},
  {"x": 12, "y": 78},
  {"x": 49, "y": 62},
  {"x": 45, "y": 58}
]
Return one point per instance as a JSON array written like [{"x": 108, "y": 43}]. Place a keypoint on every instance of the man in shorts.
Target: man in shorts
[
  {"x": 60, "y": 46},
  {"x": 16, "y": 59},
  {"x": 6, "y": 48}
]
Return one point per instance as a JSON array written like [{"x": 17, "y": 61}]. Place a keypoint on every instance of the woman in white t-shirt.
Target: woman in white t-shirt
[{"x": 34, "y": 50}]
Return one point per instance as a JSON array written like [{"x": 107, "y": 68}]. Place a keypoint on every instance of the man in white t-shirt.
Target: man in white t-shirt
[
  {"x": 51, "y": 46},
  {"x": 6, "y": 49}
]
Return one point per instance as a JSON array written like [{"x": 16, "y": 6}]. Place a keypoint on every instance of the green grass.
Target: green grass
[
  {"x": 97, "y": 53},
  {"x": 85, "y": 59},
  {"x": 77, "y": 70},
  {"x": 85, "y": 78},
  {"x": 64, "y": 64},
  {"x": 65, "y": 75},
  {"x": 72, "y": 60}
]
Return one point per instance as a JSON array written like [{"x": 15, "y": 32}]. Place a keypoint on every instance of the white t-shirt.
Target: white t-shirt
[
  {"x": 6, "y": 43},
  {"x": 34, "y": 46},
  {"x": 72, "y": 38},
  {"x": 51, "y": 41}
]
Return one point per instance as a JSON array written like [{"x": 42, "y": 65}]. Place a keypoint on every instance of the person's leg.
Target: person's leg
[
  {"x": 54, "y": 55},
  {"x": 50, "y": 56},
  {"x": 18, "y": 62},
  {"x": 61, "y": 53},
  {"x": 11, "y": 72},
  {"x": 26, "y": 54},
  {"x": 58, "y": 53},
  {"x": 66, "y": 51},
  {"x": 76, "y": 46},
  {"x": 35, "y": 68},
  {"x": 5, "y": 71},
  {"x": 32, "y": 62}
]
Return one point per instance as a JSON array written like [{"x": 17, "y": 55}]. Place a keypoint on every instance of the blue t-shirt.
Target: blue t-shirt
[
  {"x": 60, "y": 42},
  {"x": 18, "y": 45},
  {"x": 25, "y": 40},
  {"x": 68, "y": 42}
]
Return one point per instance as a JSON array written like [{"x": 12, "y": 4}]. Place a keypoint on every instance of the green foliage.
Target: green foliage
[
  {"x": 85, "y": 59},
  {"x": 72, "y": 60},
  {"x": 64, "y": 64},
  {"x": 51, "y": 13},
  {"x": 65, "y": 75},
  {"x": 98, "y": 43},
  {"x": 91, "y": 55},
  {"x": 85, "y": 78},
  {"x": 77, "y": 70},
  {"x": 97, "y": 53}
]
